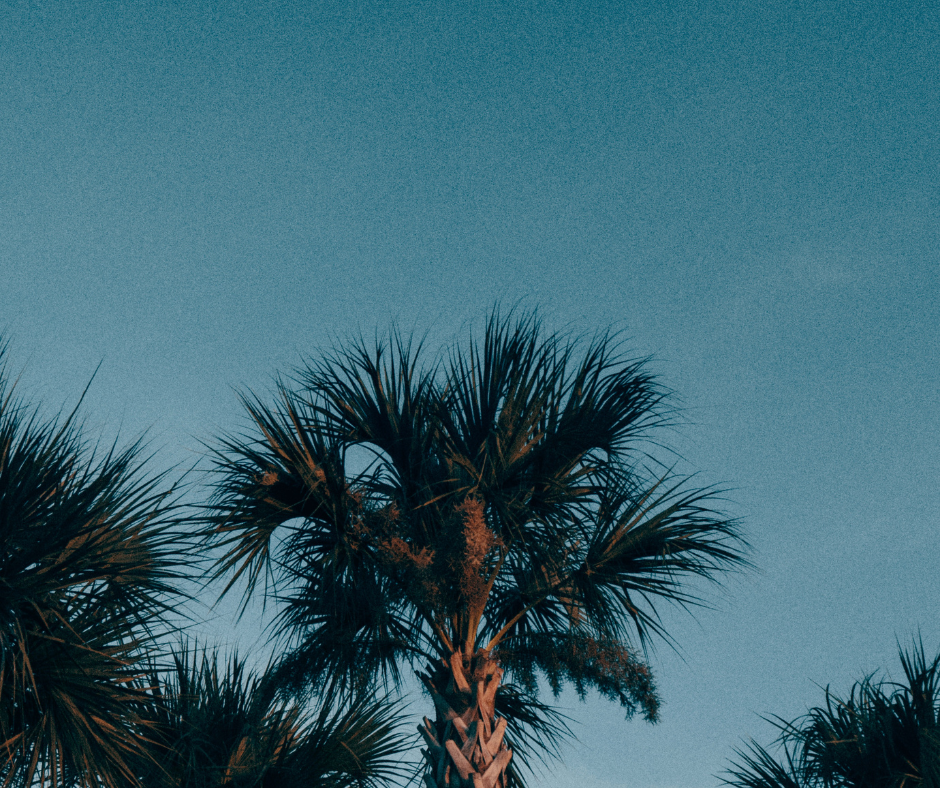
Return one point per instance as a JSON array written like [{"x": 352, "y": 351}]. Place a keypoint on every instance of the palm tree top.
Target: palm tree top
[{"x": 510, "y": 503}]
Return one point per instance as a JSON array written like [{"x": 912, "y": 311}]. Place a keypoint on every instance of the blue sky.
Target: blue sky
[{"x": 197, "y": 195}]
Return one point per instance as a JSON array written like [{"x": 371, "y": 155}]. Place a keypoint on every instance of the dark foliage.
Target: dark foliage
[
  {"x": 882, "y": 735},
  {"x": 506, "y": 507},
  {"x": 584, "y": 661},
  {"x": 218, "y": 726},
  {"x": 88, "y": 560}
]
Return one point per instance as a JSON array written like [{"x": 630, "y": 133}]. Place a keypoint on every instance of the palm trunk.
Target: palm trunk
[{"x": 465, "y": 747}]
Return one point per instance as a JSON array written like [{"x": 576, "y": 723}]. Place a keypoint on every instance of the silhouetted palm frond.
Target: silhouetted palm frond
[
  {"x": 89, "y": 557},
  {"x": 760, "y": 769},
  {"x": 219, "y": 725},
  {"x": 534, "y": 729},
  {"x": 882, "y": 735}
]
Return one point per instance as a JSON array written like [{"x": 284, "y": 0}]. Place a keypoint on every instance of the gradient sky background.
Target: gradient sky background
[{"x": 198, "y": 194}]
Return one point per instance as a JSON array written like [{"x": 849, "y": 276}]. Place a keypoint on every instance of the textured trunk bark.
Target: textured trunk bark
[{"x": 465, "y": 747}]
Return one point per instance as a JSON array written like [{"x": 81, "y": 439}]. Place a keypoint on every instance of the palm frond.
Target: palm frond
[
  {"x": 382, "y": 400},
  {"x": 347, "y": 630},
  {"x": 881, "y": 734},
  {"x": 69, "y": 699},
  {"x": 636, "y": 548},
  {"x": 757, "y": 768},
  {"x": 287, "y": 471},
  {"x": 218, "y": 724},
  {"x": 526, "y": 423},
  {"x": 643, "y": 545},
  {"x": 358, "y": 746},
  {"x": 90, "y": 554}
]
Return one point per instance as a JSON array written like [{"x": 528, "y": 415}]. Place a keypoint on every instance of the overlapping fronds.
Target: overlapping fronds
[
  {"x": 287, "y": 470},
  {"x": 882, "y": 735},
  {"x": 69, "y": 700},
  {"x": 352, "y": 630},
  {"x": 506, "y": 502},
  {"x": 88, "y": 561},
  {"x": 634, "y": 545},
  {"x": 359, "y": 745},
  {"x": 527, "y": 422},
  {"x": 217, "y": 724}
]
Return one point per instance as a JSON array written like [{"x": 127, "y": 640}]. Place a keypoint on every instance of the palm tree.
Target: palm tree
[
  {"x": 87, "y": 563},
  {"x": 217, "y": 725},
  {"x": 883, "y": 735},
  {"x": 484, "y": 512}
]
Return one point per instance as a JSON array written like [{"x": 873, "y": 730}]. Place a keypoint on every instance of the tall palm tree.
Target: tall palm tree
[
  {"x": 483, "y": 511},
  {"x": 87, "y": 563},
  {"x": 219, "y": 726},
  {"x": 883, "y": 735}
]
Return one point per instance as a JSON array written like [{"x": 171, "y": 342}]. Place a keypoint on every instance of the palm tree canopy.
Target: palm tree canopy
[
  {"x": 882, "y": 735},
  {"x": 87, "y": 563},
  {"x": 495, "y": 496}
]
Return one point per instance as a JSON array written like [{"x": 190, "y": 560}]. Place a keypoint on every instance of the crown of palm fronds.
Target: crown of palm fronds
[
  {"x": 88, "y": 560},
  {"x": 507, "y": 506}
]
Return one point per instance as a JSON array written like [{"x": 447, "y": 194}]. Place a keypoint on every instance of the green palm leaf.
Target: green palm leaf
[{"x": 882, "y": 735}]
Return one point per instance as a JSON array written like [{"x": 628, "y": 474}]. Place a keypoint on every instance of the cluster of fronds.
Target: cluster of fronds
[
  {"x": 92, "y": 554},
  {"x": 218, "y": 725},
  {"x": 506, "y": 501},
  {"x": 88, "y": 560},
  {"x": 883, "y": 735}
]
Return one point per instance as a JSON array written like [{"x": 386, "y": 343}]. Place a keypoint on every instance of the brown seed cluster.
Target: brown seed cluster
[
  {"x": 469, "y": 543},
  {"x": 446, "y": 572}
]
